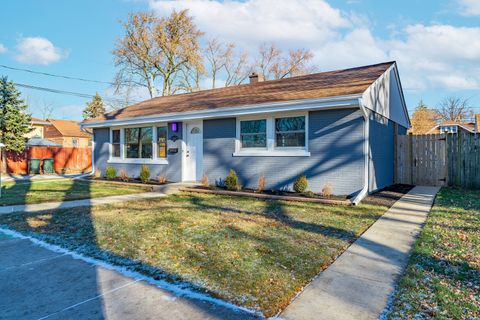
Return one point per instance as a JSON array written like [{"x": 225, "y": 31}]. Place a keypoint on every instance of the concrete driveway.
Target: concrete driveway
[{"x": 37, "y": 283}]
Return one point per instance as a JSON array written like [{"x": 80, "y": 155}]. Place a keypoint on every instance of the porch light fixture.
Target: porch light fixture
[
  {"x": 174, "y": 126},
  {"x": 1, "y": 146}
]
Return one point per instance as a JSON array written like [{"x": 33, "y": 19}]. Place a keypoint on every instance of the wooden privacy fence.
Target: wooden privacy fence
[
  {"x": 65, "y": 160},
  {"x": 438, "y": 160}
]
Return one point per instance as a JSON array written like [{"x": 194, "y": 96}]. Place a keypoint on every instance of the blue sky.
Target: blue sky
[{"x": 436, "y": 43}]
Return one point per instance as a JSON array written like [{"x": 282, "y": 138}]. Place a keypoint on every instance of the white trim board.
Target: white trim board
[{"x": 340, "y": 102}]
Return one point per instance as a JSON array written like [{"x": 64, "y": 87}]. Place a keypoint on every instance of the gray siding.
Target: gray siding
[
  {"x": 335, "y": 144},
  {"x": 381, "y": 170},
  {"x": 172, "y": 171}
]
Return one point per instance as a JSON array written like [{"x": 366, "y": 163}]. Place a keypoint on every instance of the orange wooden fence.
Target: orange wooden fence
[{"x": 65, "y": 160}]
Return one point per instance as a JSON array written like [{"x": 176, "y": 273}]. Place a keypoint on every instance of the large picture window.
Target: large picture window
[
  {"x": 290, "y": 132},
  {"x": 138, "y": 142},
  {"x": 116, "y": 143},
  {"x": 162, "y": 142},
  {"x": 253, "y": 133}
]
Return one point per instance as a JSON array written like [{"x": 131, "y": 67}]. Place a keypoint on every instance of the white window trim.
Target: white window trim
[
  {"x": 271, "y": 150},
  {"x": 124, "y": 159}
]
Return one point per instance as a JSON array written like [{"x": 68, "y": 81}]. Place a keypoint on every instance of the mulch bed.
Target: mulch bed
[
  {"x": 130, "y": 181},
  {"x": 277, "y": 195},
  {"x": 389, "y": 195}
]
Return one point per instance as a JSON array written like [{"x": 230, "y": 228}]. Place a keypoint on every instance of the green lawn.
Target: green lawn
[
  {"x": 60, "y": 190},
  {"x": 254, "y": 253},
  {"x": 442, "y": 280}
]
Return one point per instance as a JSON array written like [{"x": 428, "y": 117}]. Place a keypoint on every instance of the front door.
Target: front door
[{"x": 192, "y": 169}]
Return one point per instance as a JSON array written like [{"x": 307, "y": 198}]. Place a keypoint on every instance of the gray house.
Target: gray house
[{"x": 335, "y": 127}]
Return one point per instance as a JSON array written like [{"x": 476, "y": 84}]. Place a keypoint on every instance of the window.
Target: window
[
  {"x": 116, "y": 143},
  {"x": 138, "y": 142},
  {"x": 290, "y": 132},
  {"x": 74, "y": 142},
  {"x": 195, "y": 130},
  {"x": 162, "y": 142},
  {"x": 253, "y": 133}
]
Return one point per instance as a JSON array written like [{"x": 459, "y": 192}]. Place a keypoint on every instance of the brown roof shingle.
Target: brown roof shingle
[
  {"x": 69, "y": 128},
  {"x": 318, "y": 85}
]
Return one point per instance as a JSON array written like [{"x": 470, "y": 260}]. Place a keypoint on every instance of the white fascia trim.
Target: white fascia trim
[
  {"x": 137, "y": 161},
  {"x": 339, "y": 102}
]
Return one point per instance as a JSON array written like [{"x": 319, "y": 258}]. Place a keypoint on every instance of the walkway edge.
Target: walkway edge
[
  {"x": 361, "y": 282},
  {"x": 79, "y": 203}
]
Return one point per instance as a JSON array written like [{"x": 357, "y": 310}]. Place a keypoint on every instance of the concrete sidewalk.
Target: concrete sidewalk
[
  {"x": 37, "y": 283},
  {"x": 359, "y": 283},
  {"x": 79, "y": 203}
]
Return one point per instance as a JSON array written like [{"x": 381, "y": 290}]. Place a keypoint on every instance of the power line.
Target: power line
[
  {"x": 56, "y": 75},
  {"x": 71, "y": 93}
]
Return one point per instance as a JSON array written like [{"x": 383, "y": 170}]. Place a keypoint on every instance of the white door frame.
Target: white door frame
[{"x": 199, "y": 154}]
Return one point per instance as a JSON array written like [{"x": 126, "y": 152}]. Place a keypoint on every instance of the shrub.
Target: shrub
[
  {"x": 327, "y": 190},
  {"x": 301, "y": 184},
  {"x": 145, "y": 173},
  {"x": 110, "y": 172},
  {"x": 162, "y": 178},
  {"x": 205, "y": 181},
  {"x": 261, "y": 184},
  {"x": 231, "y": 181},
  {"x": 97, "y": 173},
  {"x": 309, "y": 194},
  {"x": 123, "y": 175}
]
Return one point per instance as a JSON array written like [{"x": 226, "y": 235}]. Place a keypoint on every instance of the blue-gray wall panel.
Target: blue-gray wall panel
[
  {"x": 335, "y": 144},
  {"x": 381, "y": 152},
  {"x": 172, "y": 171}
]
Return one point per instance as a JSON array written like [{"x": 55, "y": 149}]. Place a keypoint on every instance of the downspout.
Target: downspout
[{"x": 366, "y": 150}]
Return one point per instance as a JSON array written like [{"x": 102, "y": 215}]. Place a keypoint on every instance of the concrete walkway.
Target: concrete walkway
[
  {"x": 79, "y": 203},
  {"x": 359, "y": 283},
  {"x": 37, "y": 283}
]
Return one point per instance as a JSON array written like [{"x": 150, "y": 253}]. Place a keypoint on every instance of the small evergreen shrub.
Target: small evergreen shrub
[
  {"x": 261, "y": 184},
  {"x": 145, "y": 173},
  {"x": 301, "y": 184},
  {"x": 110, "y": 173},
  {"x": 231, "y": 181},
  {"x": 123, "y": 175}
]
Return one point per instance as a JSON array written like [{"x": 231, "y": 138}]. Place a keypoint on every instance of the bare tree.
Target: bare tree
[
  {"x": 136, "y": 53},
  {"x": 46, "y": 109},
  {"x": 455, "y": 109},
  {"x": 177, "y": 38},
  {"x": 237, "y": 68},
  {"x": 273, "y": 64},
  {"x": 190, "y": 78},
  {"x": 217, "y": 54},
  {"x": 154, "y": 50}
]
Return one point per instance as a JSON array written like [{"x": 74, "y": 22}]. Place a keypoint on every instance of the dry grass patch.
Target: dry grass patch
[{"x": 255, "y": 253}]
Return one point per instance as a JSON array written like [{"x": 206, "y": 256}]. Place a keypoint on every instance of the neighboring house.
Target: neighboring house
[
  {"x": 454, "y": 127},
  {"x": 38, "y": 128},
  {"x": 335, "y": 127},
  {"x": 67, "y": 133}
]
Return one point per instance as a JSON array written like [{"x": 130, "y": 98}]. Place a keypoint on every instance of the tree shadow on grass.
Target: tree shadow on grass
[{"x": 75, "y": 229}]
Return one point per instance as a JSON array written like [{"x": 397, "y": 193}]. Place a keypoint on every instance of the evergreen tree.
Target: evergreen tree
[
  {"x": 94, "y": 108},
  {"x": 423, "y": 119},
  {"x": 14, "y": 119}
]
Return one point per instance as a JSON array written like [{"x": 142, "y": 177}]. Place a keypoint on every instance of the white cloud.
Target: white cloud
[
  {"x": 3, "y": 49},
  {"x": 38, "y": 50},
  {"x": 469, "y": 7},
  {"x": 429, "y": 56}
]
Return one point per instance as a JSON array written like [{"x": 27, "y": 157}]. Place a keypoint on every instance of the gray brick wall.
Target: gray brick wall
[
  {"x": 172, "y": 170},
  {"x": 335, "y": 144}
]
